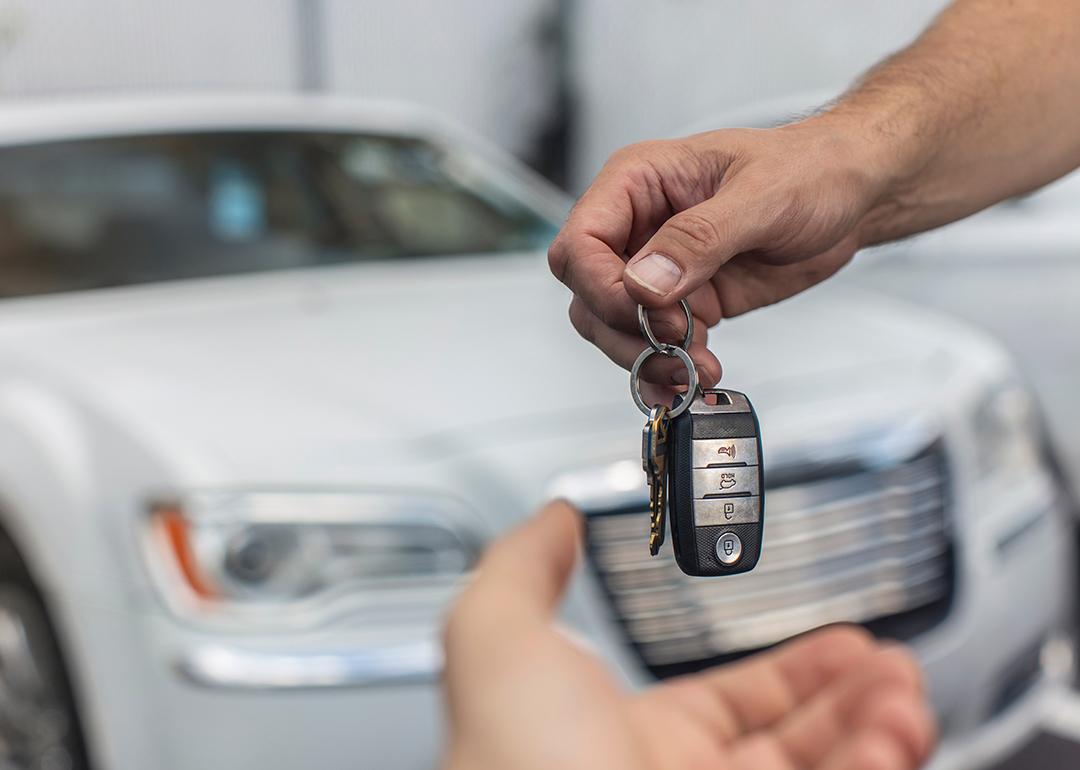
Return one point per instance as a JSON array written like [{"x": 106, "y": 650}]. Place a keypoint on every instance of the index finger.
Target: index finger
[{"x": 587, "y": 254}]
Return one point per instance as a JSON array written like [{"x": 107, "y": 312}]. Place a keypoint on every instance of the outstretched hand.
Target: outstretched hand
[{"x": 522, "y": 694}]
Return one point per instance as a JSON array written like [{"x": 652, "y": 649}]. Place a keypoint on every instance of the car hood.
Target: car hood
[{"x": 381, "y": 364}]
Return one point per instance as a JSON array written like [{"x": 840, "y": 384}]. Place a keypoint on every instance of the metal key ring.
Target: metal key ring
[
  {"x": 657, "y": 345},
  {"x": 635, "y": 376}
]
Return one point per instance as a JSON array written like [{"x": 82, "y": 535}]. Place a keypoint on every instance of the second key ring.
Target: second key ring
[
  {"x": 657, "y": 345},
  {"x": 635, "y": 378}
]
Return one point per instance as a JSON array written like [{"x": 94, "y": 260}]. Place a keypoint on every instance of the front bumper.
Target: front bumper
[
  {"x": 987, "y": 666},
  {"x": 182, "y": 700}
]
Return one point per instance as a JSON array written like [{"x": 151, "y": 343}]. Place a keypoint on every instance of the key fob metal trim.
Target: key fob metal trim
[{"x": 715, "y": 485}]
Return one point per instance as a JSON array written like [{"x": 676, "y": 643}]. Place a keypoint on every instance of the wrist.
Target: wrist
[
  {"x": 893, "y": 147},
  {"x": 882, "y": 148}
]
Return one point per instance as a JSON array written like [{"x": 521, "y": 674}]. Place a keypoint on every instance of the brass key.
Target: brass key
[{"x": 654, "y": 438}]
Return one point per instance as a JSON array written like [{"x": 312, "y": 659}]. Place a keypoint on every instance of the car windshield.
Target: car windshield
[{"x": 128, "y": 210}]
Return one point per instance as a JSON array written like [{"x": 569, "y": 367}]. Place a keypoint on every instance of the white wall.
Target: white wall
[
  {"x": 62, "y": 46},
  {"x": 477, "y": 61},
  {"x": 642, "y": 68},
  {"x": 649, "y": 68}
]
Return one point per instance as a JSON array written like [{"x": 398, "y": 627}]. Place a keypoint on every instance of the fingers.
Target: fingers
[
  {"x": 689, "y": 248},
  {"x": 867, "y": 714},
  {"x": 624, "y": 348},
  {"x": 593, "y": 272},
  {"x": 883, "y": 695},
  {"x": 871, "y": 750},
  {"x": 518, "y": 583},
  {"x": 762, "y": 690},
  {"x": 620, "y": 211},
  {"x": 587, "y": 254},
  {"x": 864, "y": 751}
]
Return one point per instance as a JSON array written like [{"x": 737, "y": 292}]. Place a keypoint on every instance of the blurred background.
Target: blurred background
[{"x": 279, "y": 353}]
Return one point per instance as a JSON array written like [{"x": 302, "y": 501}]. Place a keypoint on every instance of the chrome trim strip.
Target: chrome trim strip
[{"x": 221, "y": 666}]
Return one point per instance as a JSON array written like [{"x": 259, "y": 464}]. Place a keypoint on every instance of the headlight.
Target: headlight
[
  {"x": 1007, "y": 432},
  {"x": 296, "y": 560}
]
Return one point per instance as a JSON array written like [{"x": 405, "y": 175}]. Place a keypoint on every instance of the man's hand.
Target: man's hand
[
  {"x": 522, "y": 694},
  {"x": 732, "y": 220},
  {"x": 980, "y": 108}
]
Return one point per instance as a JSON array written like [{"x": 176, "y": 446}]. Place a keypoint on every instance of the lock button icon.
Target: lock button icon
[{"x": 728, "y": 548}]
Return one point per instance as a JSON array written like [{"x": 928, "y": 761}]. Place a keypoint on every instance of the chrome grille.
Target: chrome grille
[{"x": 854, "y": 547}]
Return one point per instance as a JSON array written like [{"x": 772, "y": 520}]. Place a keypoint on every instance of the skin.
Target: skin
[
  {"x": 521, "y": 693},
  {"x": 980, "y": 108}
]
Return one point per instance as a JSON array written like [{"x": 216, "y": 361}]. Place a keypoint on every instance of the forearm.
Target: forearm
[{"x": 985, "y": 105}]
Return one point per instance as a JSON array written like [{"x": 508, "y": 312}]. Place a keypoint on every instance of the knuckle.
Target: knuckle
[
  {"x": 579, "y": 319},
  {"x": 623, "y": 155},
  {"x": 849, "y": 640},
  {"x": 634, "y": 153},
  {"x": 559, "y": 257},
  {"x": 697, "y": 232},
  {"x": 607, "y": 303},
  {"x": 667, "y": 330},
  {"x": 711, "y": 316},
  {"x": 874, "y": 753},
  {"x": 900, "y": 667}
]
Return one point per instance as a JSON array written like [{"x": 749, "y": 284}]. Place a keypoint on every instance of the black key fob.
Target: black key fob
[{"x": 716, "y": 492}]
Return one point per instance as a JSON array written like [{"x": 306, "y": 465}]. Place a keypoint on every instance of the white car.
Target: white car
[{"x": 273, "y": 369}]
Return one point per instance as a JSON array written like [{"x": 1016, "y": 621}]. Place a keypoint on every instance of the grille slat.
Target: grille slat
[
  {"x": 853, "y": 548},
  {"x": 805, "y": 586},
  {"x": 799, "y": 549}
]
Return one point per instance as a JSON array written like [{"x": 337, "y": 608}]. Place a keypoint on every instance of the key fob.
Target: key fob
[{"x": 716, "y": 492}]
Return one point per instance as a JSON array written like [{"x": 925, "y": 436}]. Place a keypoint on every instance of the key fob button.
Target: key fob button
[
  {"x": 733, "y": 480},
  {"x": 719, "y": 511},
  {"x": 725, "y": 451},
  {"x": 728, "y": 548}
]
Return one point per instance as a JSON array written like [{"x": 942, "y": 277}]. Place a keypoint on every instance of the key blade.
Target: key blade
[
  {"x": 658, "y": 521},
  {"x": 654, "y": 461}
]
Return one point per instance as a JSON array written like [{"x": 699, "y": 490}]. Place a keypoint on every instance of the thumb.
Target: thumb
[
  {"x": 519, "y": 581},
  {"x": 534, "y": 562},
  {"x": 686, "y": 251}
]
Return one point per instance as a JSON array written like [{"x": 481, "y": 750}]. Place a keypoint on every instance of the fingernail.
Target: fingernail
[
  {"x": 655, "y": 272},
  {"x": 680, "y": 377}
]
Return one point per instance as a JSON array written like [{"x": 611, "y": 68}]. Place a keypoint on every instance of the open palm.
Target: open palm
[{"x": 522, "y": 693}]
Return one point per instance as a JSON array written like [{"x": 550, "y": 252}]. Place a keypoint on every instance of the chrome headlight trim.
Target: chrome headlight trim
[{"x": 383, "y": 558}]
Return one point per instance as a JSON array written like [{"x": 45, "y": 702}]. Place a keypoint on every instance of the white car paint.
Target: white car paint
[{"x": 458, "y": 377}]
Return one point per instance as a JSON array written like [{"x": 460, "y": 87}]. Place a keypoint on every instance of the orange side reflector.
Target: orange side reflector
[{"x": 175, "y": 527}]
